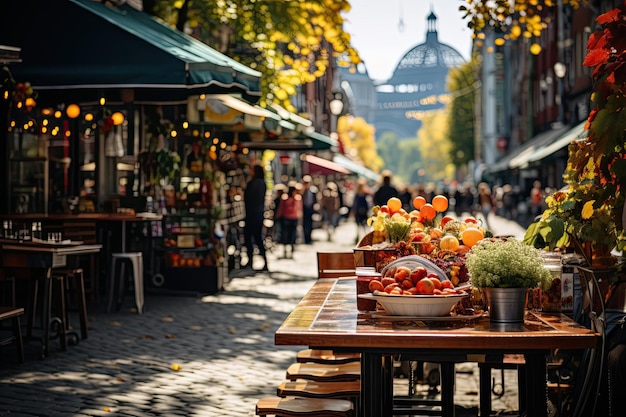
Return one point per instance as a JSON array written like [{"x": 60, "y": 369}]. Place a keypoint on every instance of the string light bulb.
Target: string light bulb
[{"x": 72, "y": 111}]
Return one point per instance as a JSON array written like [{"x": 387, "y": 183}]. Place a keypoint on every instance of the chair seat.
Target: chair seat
[
  {"x": 324, "y": 372},
  {"x": 116, "y": 282},
  {"x": 326, "y": 356},
  {"x": 300, "y": 407},
  {"x": 314, "y": 389}
]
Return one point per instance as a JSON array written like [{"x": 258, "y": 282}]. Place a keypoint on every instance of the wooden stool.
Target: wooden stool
[
  {"x": 323, "y": 372},
  {"x": 116, "y": 282},
  {"x": 313, "y": 389},
  {"x": 299, "y": 407},
  {"x": 326, "y": 356},
  {"x": 74, "y": 284},
  {"x": 13, "y": 314}
]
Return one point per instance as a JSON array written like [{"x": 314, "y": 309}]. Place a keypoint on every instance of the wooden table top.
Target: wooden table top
[{"x": 327, "y": 317}]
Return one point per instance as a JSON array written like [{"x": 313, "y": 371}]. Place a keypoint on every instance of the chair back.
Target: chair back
[{"x": 335, "y": 264}]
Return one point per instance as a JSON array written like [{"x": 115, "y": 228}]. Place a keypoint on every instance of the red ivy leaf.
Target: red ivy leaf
[
  {"x": 596, "y": 40},
  {"x": 596, "y": 57},
  {"x": 608, "y": 17}
]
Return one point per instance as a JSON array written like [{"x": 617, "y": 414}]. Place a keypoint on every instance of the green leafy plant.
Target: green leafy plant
[
  {"x": 505, "y": 263},
  {"x": 588, "y": 216}
]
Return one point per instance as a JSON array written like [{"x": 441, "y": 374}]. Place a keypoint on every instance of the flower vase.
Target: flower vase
[{"x": 506, "y": 305}]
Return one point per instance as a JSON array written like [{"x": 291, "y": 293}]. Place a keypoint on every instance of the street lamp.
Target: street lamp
[
  {"x": 560, "y": 70},
  {"x": 336, "y": 108}
]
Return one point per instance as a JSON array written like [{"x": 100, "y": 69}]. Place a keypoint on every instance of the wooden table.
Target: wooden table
[
  {"x": 42, "y": 258},
  {"x": 327, "y": 318}
]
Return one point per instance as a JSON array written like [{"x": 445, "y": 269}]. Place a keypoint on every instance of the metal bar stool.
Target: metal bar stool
[{"x": 117, "y": 280}]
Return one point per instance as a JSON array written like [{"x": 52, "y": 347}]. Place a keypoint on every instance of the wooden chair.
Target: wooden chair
[
  {"x": 13, "y": 314},
  {"x": 326, "y": 356},
  {"x": 324, "y": 372},
  {"x": 85, "y": 231},
  {"x": 335, "y": 264},
  {"x": 301, "y": 407},
  {"x": 349, "y": 390}
]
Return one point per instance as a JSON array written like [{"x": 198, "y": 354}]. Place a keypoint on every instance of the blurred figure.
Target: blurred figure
[
  {"x": 385, "y": 190},
  {"x": 536, "y": 200},
  {"x": 330, "y": 204},
  {"x": 309, "y": 198},
  {"x": 290, "y": 212},
  {"x": 509, "y": 202},
  {"x": 405, "y": 196},
  {"x": 361, "y": 209},
  {"x": 485, "y": 201},
  {"x": 254, "y": 200},
  {"x": 279, "y": 191}
]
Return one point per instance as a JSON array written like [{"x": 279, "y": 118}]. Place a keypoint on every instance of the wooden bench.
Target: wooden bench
[{"x": 299, "y": 407}]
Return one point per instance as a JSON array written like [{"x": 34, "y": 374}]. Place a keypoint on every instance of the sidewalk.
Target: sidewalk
[{"x": 191, "y": 356}]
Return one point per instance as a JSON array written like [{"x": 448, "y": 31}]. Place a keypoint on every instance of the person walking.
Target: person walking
[
  {"x": 485, "y": 202},
  {"x": 361, "y": 209},
  {"x": 289, "y": 213},
  {"x": 309, "y": 198},
  {"x": 330, "y": 205},
  {"x": 254, "y": 201},
  {"x": 385, "y": 190}
]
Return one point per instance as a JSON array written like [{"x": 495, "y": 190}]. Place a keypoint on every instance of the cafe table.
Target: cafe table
[
  {"x": 40, "y": 259},
  {"x": 327, "y": 318}
]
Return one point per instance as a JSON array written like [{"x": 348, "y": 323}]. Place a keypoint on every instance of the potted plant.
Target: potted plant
[
  {"x": 503, "y": 269},
  {"x": 590, "y": 215}
]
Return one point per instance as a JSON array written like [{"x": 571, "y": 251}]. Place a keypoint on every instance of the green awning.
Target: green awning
[
  {"x": 85, "y": 44},
  {"x": 356, "y": 168}
]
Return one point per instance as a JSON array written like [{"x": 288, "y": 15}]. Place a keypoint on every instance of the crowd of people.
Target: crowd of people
[{"x": 298, "y": 207}]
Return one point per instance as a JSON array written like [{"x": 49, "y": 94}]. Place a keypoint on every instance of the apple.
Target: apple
[
  {"x": 444, "y": 220},
  {"x": 447, "y": 284},
  {"x": 425, "y": 286},
  {"x": 418, "y": 273},
  {"x": 402, "y": 273}
]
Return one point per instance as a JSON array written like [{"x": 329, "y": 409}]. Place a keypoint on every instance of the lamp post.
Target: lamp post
[
  {"x": 560, "y": 71},
  {"x": 336, "y": 108}
]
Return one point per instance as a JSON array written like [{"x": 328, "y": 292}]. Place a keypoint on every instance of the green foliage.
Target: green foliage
[
  {"x": 461, "y": 84},
  {"x": 290, "y": 42},
  {"x": 591, "y": 210}
]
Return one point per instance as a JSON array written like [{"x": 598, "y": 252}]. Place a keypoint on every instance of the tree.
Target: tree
[
  {"x": 357, "y": 136},
  {"x": 462, "y": 87},
  {"x": 511, "y": 18},
  {"x": 290, "y": 42},
  {"x": 435, "y": 146}
]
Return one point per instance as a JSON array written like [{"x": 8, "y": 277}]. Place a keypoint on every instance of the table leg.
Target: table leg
[
  {"x": 536, "y": 390},
  {"x": 45, "y": 312},
  {"x": 447, "y": 389},
  {"x": 371, "y": 384},
  {"x": 387, "y": 395}
]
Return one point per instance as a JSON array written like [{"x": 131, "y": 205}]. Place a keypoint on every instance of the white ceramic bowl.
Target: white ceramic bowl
[{"x": 416, "y": 305}]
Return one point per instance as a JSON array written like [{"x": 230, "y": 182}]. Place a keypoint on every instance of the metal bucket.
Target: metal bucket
[{"x": 506, "y": 305}]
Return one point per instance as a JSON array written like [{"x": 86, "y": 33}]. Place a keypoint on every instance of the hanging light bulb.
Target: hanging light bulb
[
  {"x": 72, "y": 111},
  {"x": 118, "y": 118}
]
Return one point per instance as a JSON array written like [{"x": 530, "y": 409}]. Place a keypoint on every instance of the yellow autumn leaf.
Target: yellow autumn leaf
[
  {"x": 587, "y": 210},
  {"x": 176, "y": 367}
]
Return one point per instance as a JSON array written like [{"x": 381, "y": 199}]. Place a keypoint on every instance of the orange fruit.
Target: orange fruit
[
  {"x": 440, "y": 203},
  {"x": 449, "y": 242},
  {"x": 418, "y": 202},
  {"x": 428, "y": 211},
  {"x": 394, "y": 204},
  {"x": 471, "y": 236}
]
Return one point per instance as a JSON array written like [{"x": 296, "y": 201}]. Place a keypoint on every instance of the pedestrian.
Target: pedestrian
[
  {"x": 290, "y": 213},
  {"x": 385, "y": 191},
  {"x": 254, "y": 200},
  {"x": 485, "y": 202},
  {"x": 361, "y": 209},
  {"x": 406, "y": 197},
  {"x": 536, "y": 200},
  {"x": 279, "y": 191},
  {"x": 330, "y": 205},
  {"x": 309, "y": 199}
]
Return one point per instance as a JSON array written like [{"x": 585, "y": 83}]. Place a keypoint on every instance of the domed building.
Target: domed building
[{"x": 418, "y": 84}]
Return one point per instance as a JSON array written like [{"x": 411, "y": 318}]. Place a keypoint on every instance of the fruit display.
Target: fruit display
[{"x": 427, "y": 231}]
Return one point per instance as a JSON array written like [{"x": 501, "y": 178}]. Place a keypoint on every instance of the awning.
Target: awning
[
  {"x": 241, "y": 106},
  {"x": 519, "y": 157},
  {"x": 356, "y": 168},
  {"x": 319, "y": 166},
  {"x": 85, "y": 44},
  {"x": 320, "y": 142},
  {"x": 577, "y": 132}
]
